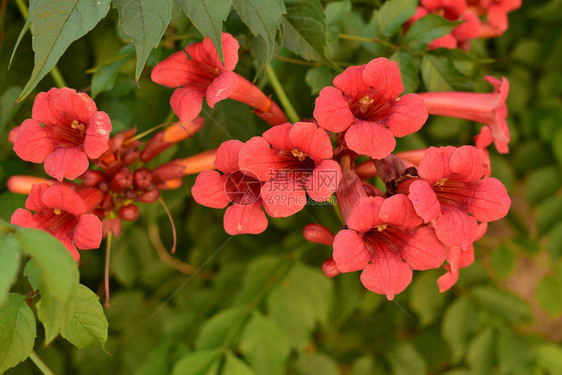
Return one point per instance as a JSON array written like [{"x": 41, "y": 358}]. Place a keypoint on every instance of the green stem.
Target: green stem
[
  {"x": 40, "y": 364},
  {"x": 55, "y": 72},
  {"x": 287, "y": 106},
  {"x": 370, "y": 40}
]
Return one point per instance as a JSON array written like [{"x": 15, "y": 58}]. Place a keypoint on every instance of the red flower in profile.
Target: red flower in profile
[
  {"x": 496, "y": 15},
  {"x": 385, "y": 240},
  {"x": 452, "y": 192},
  {"x": 198, "y": 72},
  {"x": 65, "y": 214},
  {"x": 365, "y": 102},
  {"x": 486, "y": 108},
  {"x": 65, "y": 130},
  {"x": 235, "y": 186},
  {"x": 452, "y": 10},
  {"x": 292, "y": 159}
]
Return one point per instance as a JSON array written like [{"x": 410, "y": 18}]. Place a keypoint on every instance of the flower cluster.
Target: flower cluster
[{"x": 479, "y": 19}]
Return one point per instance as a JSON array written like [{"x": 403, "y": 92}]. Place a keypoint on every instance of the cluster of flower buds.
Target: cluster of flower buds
[{"x": 479, "y": 19}]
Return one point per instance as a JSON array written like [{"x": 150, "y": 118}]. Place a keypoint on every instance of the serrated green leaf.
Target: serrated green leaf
[
  {"x": 316, "y": 363},
  {"x": 264, "y": 345},
  {"x": 59, "y": 277},
  {"x": 17, "y": 331},
  {"x": 550, "y": 358},
  {"x": 429, "y": 28},
  {"x": 405, "y": 360},
  {"x": 393, "y": 13},
  {"x": 225, "y": 324},
  {"x": 548, "y": 294},
  {"x": 20, "y": 37},
  {"x": 105, "y": 75},
  {"x": 9, "y": 263},
  {"x": 439, "y": 74},
  {"x": 458, "y": 325},
  {"x": 144, "y": 21},
  {"x": 305, "y": 30},
  {"x": 336, "y": 11},
  {"x": 87, "y": 322},
  {"x": 408, "y": 70},
  {"x": 502, "y": 303},
  {"x": 54, "y": 26},
  {"x": 263, "y": 18},
  {"x": 235, "y": 366},
  {"x": 425, "y": 298},
  {"x": 207, "y": 16},
  {"x": 197, "y": 363},
  {"x": 258, "y": 273}
]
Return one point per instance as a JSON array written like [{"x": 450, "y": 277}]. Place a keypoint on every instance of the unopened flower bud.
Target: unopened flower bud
[
  {"x": 330, "y": 268},
  {"x": 318, "y": 234},
  {"x": 113, "y": 226},
  {"x": 131, "y": 194},
  {"x": 150, "y": 196},
  {"x": 142, "y": 178},
  {"x": 122, "y": 180},
  {"x": 92, "y": 178},
  {"x": 130, "y": 156},
  {"x": 107, "y": 203},
  {"x": 129, "y": 212}
]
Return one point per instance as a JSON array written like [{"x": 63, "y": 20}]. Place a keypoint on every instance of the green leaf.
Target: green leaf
[
  {"x": 144, "y": 21},
  {"x": 54, "y": 26},
  {"x": 503, "y": 261},
  {"x": 105, "y": 75},
  {"x": 197, "y": 363},
  {"x": 429, "y": 28},
  {"x": 58, "y": 274},
  {"x": 221, "y": 326},
  {"x": 9, "y": 263},
  {"x": 207, "y": 16},
  {"x": 405, "y": 360},
  {"x": 425, "y": 298},
  {"x": 502, "y": 303},
  {"x": 317, "y": 78},
  {"x": 550, "y": 358},
  {"x": 542, "y": 183},
  {"x": 393, "y": 13},
  {"x": 316, "y": 363},
  {"x": 336, "y": 11},
  {"x": 439, "y": 74},
  {"x": 87, "y": 324},
  {"x": 263, "y": 18},
  {"x": 305, "y": 30},
  {"x": 548, "y": 294},
  {"x": 458, "y": 325},
  {"x": 408, "y": 70},
  {"x": 554, "y": 244},
  {"x": 549, "y": 213},
  {"x": 7, "y": 108},
  {"x": 302, "y": 300},
  {"x": 264, "y": 345},
  {"x": 17, "y": 331},
  {"x": 514, "y": 355},
  {"x": 235, "y": 366},
  {"x": 481, "y": 354},
  {"x": 20, "y": 37},
  {"x": 258, "y": 273}
]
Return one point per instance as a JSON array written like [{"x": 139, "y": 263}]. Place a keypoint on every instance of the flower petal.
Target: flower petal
[
  {"x": 24, "y": 219},
  {"x": 351, "y": 82},
  {"x": 227, "y": 156},
  {"x": 88, "y": 233},
  {"x": 399, "y": 211},
  {"x": 455, "y": 227},
  {"x": 350, "y": 253},
  {"x": 370, "y": 138},
  {"x": 406, "y": 115},
  {"x": 424, "y": 199},
  {"x": 209, "y": 189},
  {"x": 206, "y": 53},
  {"x": 187, "y": 101},
  {"x": 64, "y": 198},
  {"x": 34, "y": 201},
  {"x": 245, "y": 219},
  {"x": 467, "y": 164},
  {"x": 312, "y": 140},
  {"x": 260, "y": 159},
  {"x": 172, "y": 71},
  {"x": 422, "y": 250},
  {"x": 278, "y": 137},
  {"x": 384, "y": 77},
  {"x": 96, "y": 141},
  {"x": 221, "y": 88},
  {"x": 280, "y": 198},
  {"x": 66, "y": 162},
  {"x": 324, "y": 180},
  {"x": 33, "y": 142},
  {"x": 365, "y": 214},
  {"x": 332, "y": 110},
  {"x": 490, "y": 201},
  {"x": 387, "y": 274},
  {"x": 435, "y": 163},
  {"x": 68, "y": 105}
]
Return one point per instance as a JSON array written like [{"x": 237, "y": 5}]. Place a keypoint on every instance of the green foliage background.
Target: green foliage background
[{"x": 260, "y": 304}]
